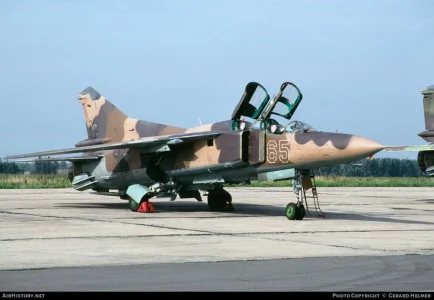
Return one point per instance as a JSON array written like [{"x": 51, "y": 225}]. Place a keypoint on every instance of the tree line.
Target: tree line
[
  {"x": 377, "y": 167},
  {"x": 43, "y": 167}
]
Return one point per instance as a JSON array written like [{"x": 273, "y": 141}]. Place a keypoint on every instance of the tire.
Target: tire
[
  {"x": 290, "y": 211},
  {"x": 300, "y": 212},
  {"x": 220, "y": 200},
  {"x": 134, "y": 206}
]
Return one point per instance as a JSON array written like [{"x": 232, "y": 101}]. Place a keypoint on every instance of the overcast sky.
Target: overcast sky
[{"x": 360, "y": 64}]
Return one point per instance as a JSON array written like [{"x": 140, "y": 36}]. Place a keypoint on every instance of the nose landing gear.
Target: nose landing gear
[
  {"x": 295, "y": 211},
  {"x": 303, "y": 181}
]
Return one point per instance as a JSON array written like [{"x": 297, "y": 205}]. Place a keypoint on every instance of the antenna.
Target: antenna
[{"x": 199, "y": 121}]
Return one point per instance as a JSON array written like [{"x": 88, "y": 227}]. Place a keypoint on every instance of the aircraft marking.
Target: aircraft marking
[{"x": 278, "y": 151}]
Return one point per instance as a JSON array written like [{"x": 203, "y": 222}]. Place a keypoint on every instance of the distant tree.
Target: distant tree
[
  {"x": 38, "y": 167},
  {"x": 7, "y": 167},
  {"x": 380, "y": 167}
]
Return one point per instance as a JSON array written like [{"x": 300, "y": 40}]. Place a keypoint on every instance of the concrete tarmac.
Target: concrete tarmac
[
  {"x": 368, "y": 233},
  {"x": 414, "y": 273}
]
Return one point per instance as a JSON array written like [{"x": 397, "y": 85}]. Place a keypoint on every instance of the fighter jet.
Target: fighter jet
[
  {"x": 142, "y": 159},
  {"x": 425, "y": 159}
]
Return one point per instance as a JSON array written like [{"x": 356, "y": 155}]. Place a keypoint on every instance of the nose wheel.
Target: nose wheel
[{"x": 294, "y": 211}]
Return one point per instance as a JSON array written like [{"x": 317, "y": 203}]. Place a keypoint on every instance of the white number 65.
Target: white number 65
[{"x": 278, "y": 151}]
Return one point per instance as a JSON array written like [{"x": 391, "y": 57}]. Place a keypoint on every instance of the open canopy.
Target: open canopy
[
  {"x": 256, "y": 104},
  {"x": 252, "y": 103},
  {"x": 285, "y": 103}
]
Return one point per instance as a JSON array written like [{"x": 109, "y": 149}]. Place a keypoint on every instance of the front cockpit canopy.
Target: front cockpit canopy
[{"x": 284, "y": 103}]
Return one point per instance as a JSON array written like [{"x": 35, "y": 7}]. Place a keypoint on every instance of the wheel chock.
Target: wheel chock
[{"x": 146, "y": 207}]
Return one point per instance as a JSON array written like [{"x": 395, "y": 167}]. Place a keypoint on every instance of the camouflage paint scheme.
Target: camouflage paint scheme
[
  {"x": 425, "y": 159},
  {"x": 105, "y": 123},
  {"x": 198, "y": 161}
]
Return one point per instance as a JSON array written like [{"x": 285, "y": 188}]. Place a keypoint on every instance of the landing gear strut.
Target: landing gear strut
[
  {"x": 220, "y": 200},
  {"x": 296, "y": 211},
  {"x": 304, "y": 180}
]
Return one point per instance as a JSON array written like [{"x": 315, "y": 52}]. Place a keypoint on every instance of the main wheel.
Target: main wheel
[
  {"x": 219, "y": 200},
  {"x": 134, "y": 206},
  {"x": 300, "y": 212},
  {"x": 290, "y": 211}
]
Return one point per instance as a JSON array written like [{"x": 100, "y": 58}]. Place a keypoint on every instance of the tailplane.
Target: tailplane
[{"x": 106, "y": 123}]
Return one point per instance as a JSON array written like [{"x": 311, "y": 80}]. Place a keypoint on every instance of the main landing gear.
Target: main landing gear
[
  {"x": 145, "y": 206},
  {"x": 138, "y": 197},
  {"x": 220, "y": 200},
  {"x": 303, "y": 181}
]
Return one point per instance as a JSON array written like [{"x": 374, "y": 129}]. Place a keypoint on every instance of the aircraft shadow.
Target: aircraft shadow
[
  {"x": 105, "y": 205},
  {"x": 360, "y": 217},
  {"x": 426, "y": 200},
  {"x": 241, "y": 210},
  {"x": 185, "y": 206}
]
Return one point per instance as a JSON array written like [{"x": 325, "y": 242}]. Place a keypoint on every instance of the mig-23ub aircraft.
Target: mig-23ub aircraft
[{"x": 143, "y": 159}]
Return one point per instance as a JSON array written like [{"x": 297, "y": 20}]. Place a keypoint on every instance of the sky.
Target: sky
[{"x": 360, "y": 65}]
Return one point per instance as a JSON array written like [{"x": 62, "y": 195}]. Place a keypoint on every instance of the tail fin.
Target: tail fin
[
  {"x": 106, "y": 123},
  {"x": 103, "y": 119}
]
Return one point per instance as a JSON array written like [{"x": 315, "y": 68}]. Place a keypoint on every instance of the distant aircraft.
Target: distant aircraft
[
  {"x": 143, "y": 159},
  {"x": 425, "y": 159}
]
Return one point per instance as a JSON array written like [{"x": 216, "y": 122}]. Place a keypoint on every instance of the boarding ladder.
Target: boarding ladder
[{"x": 309, "y": 183}]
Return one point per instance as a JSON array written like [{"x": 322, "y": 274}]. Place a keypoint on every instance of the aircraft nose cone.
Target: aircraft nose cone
[
  {"x": 359, "y": 146},
  {"x": 316, "y": 149}
]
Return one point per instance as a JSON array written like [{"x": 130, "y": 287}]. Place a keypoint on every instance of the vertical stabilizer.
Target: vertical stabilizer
[
  {"x": 103, "y": 119},
  {"x": 106, "y": 123}
]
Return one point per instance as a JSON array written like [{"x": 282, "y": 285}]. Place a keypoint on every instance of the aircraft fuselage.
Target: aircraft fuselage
[{"x": 234, "y": 156}]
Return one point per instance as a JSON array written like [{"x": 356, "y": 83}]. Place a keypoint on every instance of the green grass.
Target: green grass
[
  {"x": 37, "y": 181},
  {"x": 33, "y": 181},
  {"x": 376, "y": 182},
  {"x": 340, "y": 181}
]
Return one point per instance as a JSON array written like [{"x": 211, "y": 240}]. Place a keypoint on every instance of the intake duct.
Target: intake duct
[{"x": 425, "y": 161}]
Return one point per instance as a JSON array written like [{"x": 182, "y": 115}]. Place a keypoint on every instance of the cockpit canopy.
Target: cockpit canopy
[
  {"x": 284, "y": 103},
  {"x": 252, "y": 103},
  {"x": 258, "y": 110}
]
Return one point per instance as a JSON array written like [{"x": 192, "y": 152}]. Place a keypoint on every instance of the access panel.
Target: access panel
[{"x": 256, "y": 146}]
